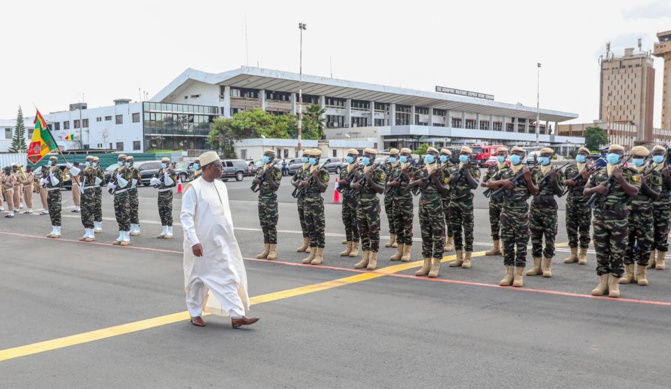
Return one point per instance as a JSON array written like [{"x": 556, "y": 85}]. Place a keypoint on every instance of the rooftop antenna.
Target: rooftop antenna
[
  {"x": 607, "y": 49},
  {"x": 639, "y": 45},
  {"x": 246, "y": 41}
]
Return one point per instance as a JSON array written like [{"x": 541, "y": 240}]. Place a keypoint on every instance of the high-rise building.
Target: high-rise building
[
  {"x": 628, "y": 91},
  {"x": 663, "y": 50}
]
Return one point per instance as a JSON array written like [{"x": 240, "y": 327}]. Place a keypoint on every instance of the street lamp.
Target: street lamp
[{"x": 302, "y": 27}]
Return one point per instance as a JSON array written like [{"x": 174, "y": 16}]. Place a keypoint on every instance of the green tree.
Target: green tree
[
  {"x": 19, "y": 139},
  {"x": 595, "y": 137},
  {"x": 421, "y": 150},
  {"x": 314, "y": 122},
  {"x": 221, "y": 137}
]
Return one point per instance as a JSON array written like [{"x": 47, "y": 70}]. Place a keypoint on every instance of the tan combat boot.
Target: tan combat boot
[
  {"x": 313, "y": 254},
  {"x": 344, "y": 241},
  {"x": 347, "y": 251},
  {"x": 264, "y": 254},
  {"x": 306, "y": 244},
  {"x": 435, "y": 267},
  {"x": 628, "y": 276},
  {"x": 372, "y": 261},
  {"x": 536, "y": 270},
  {"x": 508, "y": 279},
  {"x": 364, "y": 261},
  {"x": 407, "y": 252},
  {"x": 460, "y": 259},
  {"x": 582, "y": 256},
  {"x": 392, "y": 241},
  {"x": 573, "y": 258},
  {"x": 467, "y": 260},
  {"x": 613, "y": 286},
  {"x": 651, "y": 262},
  {"x": 272, "y": 252},
  {"x": 641, "y": 278},
  {"x": 319, "y": 256},
  {"x": 660, "y": 265},
  {"x": 518, "y": 280},
  {"x": 399, "y": 253},
  {"x": 425, "y": 268},
  {"x": 602, "y": 288},
  {"x": 496, "y": 249},
  {"x": 355, "y": 249},
  {"x": 449, "y": 244},
  {"x": 546, "y": 266}
]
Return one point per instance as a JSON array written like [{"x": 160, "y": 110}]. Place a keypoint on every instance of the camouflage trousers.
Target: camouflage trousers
[
  {"x": 446, "y": 213},
  {"x": 134, "y": 206},
  {"x": 389, "y": 210},
  {"x": 268, "y": 216},
  {"x": 98, "y": 212},
  {"x": 515, "y": 233},
  {"x": 402, "y": 215},
  {"x": 578, "y": 216},
  {"x": 640, "y": 237},
  {"x": 314, "y": 220},
  {"x": 461, "y": 218},
  {"x": 611, "y": 237},
  {"x": 368, "y": 218},
  {"x": 661, "y": 213},
  {"x": 432, "y": 226},
  {"x": 543, "y": 224},
  {"x": 87, "y": 204},
  {"x": 165, "y": 207},
  {"x": 349, "y": 219},
  {"x": 300, "y": 202},
  {"x": 122, "y": 211},
  {"x": 495, "y": 208},
  {"x": 54, "y": 201}
]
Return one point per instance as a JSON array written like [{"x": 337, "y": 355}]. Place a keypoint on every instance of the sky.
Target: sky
[{"x": 68, "y": 51}]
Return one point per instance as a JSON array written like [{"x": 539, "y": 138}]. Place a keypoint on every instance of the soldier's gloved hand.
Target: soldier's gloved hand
[
  {"x": 118, "y": 177},
  {"x": 111, "y": 186},
  {"x": 68, "y": 165},
  {"x": 44, "y": 181},
  {"x": 166, "y": 174},
  {"x": 153, "y": 181}
]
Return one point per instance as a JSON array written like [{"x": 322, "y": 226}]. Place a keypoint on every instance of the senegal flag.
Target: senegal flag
[
  {"x": 42, "y": 142},
  {"x": 70, "y": 137}
]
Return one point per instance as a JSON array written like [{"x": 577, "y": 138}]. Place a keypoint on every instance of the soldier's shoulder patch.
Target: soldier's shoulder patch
[{"x": 324, "y": 175}]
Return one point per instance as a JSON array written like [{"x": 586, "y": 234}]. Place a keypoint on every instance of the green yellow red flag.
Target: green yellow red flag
[{"x": 42, "y": 142}]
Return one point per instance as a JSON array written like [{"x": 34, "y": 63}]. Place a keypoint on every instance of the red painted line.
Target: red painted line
[{"x": 397, "y": 275}]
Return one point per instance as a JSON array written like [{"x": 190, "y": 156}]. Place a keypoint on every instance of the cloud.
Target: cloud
[{"x": 654, "y": 9}]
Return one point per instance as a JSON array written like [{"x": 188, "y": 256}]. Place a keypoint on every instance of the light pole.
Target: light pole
[
  {"x": 302, "y": 27},
  {"x": 538, "y": 99}
]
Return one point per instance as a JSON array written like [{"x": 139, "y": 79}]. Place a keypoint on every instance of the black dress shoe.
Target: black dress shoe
[
  {"x": 197, "y": 321},
  {"x": 243, "y": 321}
]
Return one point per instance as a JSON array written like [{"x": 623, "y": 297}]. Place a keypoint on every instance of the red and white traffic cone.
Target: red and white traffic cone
[
  {"x": 179, "y": 185},
  {"x": 336, "y": 193}
]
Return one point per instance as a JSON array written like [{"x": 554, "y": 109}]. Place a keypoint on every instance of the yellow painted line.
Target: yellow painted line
[{"x": 146, "y": 324}]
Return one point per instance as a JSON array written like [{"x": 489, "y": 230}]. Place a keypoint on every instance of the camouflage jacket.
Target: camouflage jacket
[
  {"x": 616, "y": 197},
  {"x": 347, "y": 192},
  {"x": 378, "y": 176},
  {"x": 59, "y": 176},
  {"x": 313, "y": 189},
  {"x": 160, "y": 175},
  {"x": 396, "y": 173},
  {"x": 520, "y": 192},
  {"x": 575, "y": 192},
  {"x": 492, "y": 172},
  {"x": 265, "y": 188},
  {"x": 461, "y": 189},
  {"x": 431, "y": 189},
  {"x": 642, "y": 201},
  {"x": 546, "y": 190}
]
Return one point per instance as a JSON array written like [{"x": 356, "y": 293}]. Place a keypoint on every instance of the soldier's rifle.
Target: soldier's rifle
[
  {"x": 609, "y": 183},
  {"x": 591, "y": 170},
  {"x": 546, "y": 177},
  {"x": 519, "y": 176},
  {"x": 350, "y": 177},
  {"x": 263, "y": 177},
  {"x": 301, "y": 192},
  {"x": 416, "y": 190}
]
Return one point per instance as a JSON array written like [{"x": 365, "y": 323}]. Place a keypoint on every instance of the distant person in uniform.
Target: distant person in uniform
[{"x": 601, "y": 162}]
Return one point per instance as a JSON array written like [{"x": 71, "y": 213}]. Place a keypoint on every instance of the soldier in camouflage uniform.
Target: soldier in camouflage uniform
[
  {"x": 495, "y": 205},
  {"x": 641, "y": 220},
  {"x": 98, "y": 190},
  {"x": 315, "y": 183},
  {"x": 369, "y": 182},
  {"x": 661, "y": 211},
  {"x": 164, "y": 180},
  {"x": 611, "y": 233},
  {"x": 543, "y": 214},
  {"x": 578, "y": 214},
  {"x": 518, "y": 183},
  {"x": 53, "y": 183},
  {"x": 350, "y": 199},
  {"x": 388, "y": 200},
  {"x": 136, "y": 178},
  {"x": 464, "y": 178},
  {"x": 402, "y": 206},
  {"x": 302, "y": 174},
  {"x": 120, "y": 182},
  {"x": 432, "y": 182},
  {"x": 445, "y": 155},
  {"x": 87, "y": 201},
  {"x": 267, "y": 181}
]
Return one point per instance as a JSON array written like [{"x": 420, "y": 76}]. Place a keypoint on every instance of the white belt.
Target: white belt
[
  {"x": 165, "y": 190},
  {"x": 9, "y": 189},
  {"x": 52, "y": 189},
  {"x": 120, "y": 191},
  {"x": 96, "y": 186},
  {"x": 88, "y": 187}
]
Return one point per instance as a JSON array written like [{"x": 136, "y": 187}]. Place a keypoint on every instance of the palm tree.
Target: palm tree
[{"x": 315, "y": 115}]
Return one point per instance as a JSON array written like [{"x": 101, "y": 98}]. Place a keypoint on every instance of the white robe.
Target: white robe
[{"x": 217, "y": 281}]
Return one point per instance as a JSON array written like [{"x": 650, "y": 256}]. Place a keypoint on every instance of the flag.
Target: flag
[
  {"x": 70, "y": 137},
  {"x": 42, "y": 142},
  {"x": 539, "y": 64}
]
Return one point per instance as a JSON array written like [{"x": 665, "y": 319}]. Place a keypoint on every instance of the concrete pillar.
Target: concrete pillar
[
  {"x": 413, "y": 120},
  {"x": 348, "y": 113},
  {"x": 262, "y": 99},
  {"x": 448, "y": 120},
  {"x": 372, "y": 114},
  {"x": 392, "y": 114},
  {"x": 477, "y": 121},
  {"x": 294, "y": 103},
  {"x": 227, "y": 101},
  {"x": 463, "y": 119},
  {"x": 514, "y": 121},
  {"x": 430, "y": 116},
  {"x": 322, "y": 103}
]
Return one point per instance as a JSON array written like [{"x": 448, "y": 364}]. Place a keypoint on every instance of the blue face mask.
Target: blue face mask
[
  {"x": 638, "y": 161},
  {"x": 305, "y": 159},
  {"x": 196, "y": 166},
  {"x": 544, "y": 160},
  {"x": 127, "y": 164},
  {"x": 613, "y": 158},
  {"x": 443, "y": 158},
  {"x": 313, "y": 161},
  {"x": 95, "y": 164},
  {"x": 515, "y": 159},
  {"x": 463, "y": 158},
  {"x": 392, "y": 159},
  {"x": 266, "y": 159},
  {"x": 657, "y": 158},
  {"x": 404, "y": 159},
  {"x": 430, "y": 159},
  {"x": 500, "y": 159},
  {"x": 120, "y": 163},
  {"x": 580, "y": 158},
  {"x": 164, "y": 165},
  {"x": 87, "y": 163},
  {"x": 365, "y": 160},
  {"x": 349, "y": 159}
]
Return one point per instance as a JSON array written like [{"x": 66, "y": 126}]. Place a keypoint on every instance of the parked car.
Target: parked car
[
  {"x": 491, "y": 161},
  {"x": 293, "y": 167},
  {"x": 184, "y": 171},
  {"x": 148, "y": 169},
  {"x": 333, "y": 165},
  {"x": 532, "y": 157},
  {"x": 235, "y": 168}
]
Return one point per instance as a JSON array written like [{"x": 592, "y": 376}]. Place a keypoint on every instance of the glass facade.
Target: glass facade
[{"x": 170, "y": 126}]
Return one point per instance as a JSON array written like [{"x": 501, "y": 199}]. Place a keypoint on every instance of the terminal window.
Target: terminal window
[
  {"x": 8, "y": 133},
  {"x": 119, "y": 146},
  {"x": 136, "y": 145},
  {"x": 57, "y": 126},
  {"x": 119, "y": 119},
  {"x": 85, "y": 123},
  {"x": 66, "y": 125},
  {"x": 76, "y": 124},
  {"x": 136, "y": 117}
]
